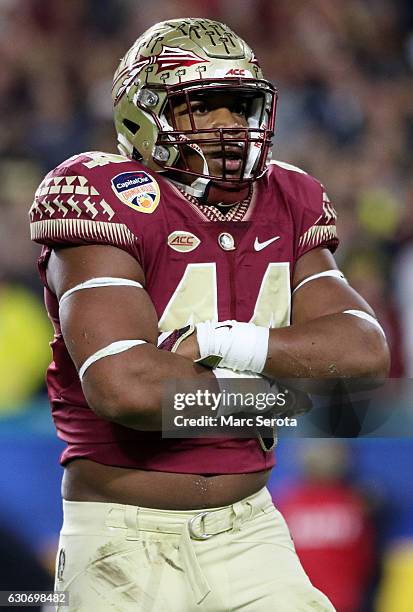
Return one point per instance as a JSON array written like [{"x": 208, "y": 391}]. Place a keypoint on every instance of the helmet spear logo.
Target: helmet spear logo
[{"x": 168, "y": 59}]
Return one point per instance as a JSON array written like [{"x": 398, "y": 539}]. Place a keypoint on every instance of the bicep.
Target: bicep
[
  {"x": 325, "y": 295},
  {"x": 93, "y": 318}
]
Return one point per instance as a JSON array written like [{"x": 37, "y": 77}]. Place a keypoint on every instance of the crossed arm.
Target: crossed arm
[{"x": 127, "y": 388}]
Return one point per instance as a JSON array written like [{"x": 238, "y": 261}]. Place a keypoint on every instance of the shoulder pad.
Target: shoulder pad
[
  {"x": 286, "y": 166},
  {"x": 313, "y": 212},
  {"x": 301, "y": 187},
  {"x": 89, "y": 199}
]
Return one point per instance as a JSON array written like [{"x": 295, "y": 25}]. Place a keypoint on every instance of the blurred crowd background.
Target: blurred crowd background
[{"x": 344, "y": 71}]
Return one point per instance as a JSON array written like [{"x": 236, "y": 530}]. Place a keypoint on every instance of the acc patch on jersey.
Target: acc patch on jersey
[
  {"x": 138, "y": 190},
  {"x": 183, "y": 241}
]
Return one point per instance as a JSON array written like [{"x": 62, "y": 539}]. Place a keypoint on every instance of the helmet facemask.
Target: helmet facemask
[{"x": 243, "y": 149}]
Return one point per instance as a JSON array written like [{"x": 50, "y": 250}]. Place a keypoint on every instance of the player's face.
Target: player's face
[{"x": 215, "y": 110}]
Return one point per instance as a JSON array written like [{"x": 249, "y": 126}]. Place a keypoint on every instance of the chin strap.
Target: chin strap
[
  {"x": 198, "y": 186},
  {"x": 197, "y": 189}
]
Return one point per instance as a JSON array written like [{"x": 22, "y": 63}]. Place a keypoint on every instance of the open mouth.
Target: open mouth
[{"x": 230, "y": 160}]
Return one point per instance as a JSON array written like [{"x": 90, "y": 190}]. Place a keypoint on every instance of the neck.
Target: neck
[{"x": 219, "y": 195}]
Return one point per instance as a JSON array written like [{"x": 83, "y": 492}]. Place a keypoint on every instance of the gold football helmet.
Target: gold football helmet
[{"x": 175, "y": 62}]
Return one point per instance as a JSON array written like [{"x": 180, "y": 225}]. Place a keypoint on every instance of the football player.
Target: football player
[{"x": 191, "y": 223}]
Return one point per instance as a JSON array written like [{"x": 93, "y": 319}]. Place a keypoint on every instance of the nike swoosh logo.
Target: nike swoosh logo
[{"x": 258, "y": 246}]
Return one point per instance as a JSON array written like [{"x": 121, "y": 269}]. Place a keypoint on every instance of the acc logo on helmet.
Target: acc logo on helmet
[{"x": 236, "y": 72}]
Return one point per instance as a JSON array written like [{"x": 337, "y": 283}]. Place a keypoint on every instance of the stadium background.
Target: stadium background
[{"x": 344, "y": 73}]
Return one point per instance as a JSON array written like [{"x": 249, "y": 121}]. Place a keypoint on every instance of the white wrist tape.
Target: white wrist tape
[
  {"x": 112, "y": 349},
  {"x": 333, "y": 273},
  {"x": 242, "y": 346},
  {"x": 104, "y": 281},
  {"x": 367, "y": 317},
  {"x": 227, "y": 373}
]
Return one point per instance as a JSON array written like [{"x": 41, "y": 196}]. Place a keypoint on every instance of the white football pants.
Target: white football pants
[{"x": 121, "y": 558}]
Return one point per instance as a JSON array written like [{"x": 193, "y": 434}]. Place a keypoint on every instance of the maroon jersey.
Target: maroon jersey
[{"x": 199, "y": 265}]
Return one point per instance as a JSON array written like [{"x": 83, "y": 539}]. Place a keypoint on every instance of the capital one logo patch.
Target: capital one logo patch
[
  {"x": 182, "y": 241},
  {"x": 138, "y": 190}
]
